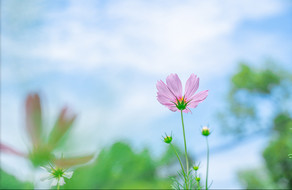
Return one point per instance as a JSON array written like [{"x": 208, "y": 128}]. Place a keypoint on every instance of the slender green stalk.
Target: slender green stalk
[
  {"x": 58, "y": 184},
  {"x": 186, "y": 153},
  {"x": 198, "y": 185},
  {"x": 182, "y": 168},
  {"x": 207, "y": 163}
]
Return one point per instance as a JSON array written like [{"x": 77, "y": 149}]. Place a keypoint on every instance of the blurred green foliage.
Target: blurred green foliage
[
  {"x": 118, "y": 166},
  {"x": 275, "y": 155},
  {"x": 8, "y": 181},
  {"x": 277, "y": 171},
  {"x": 257, "y": 178},
  {"x": 260, "y": 81},
  {"x": 121, "y": 167},
  {"x": 250, "y": 90},
  {"x": 259, "y": 103}
]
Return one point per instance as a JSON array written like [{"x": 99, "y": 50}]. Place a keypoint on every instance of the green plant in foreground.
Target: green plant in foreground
[
  {"x": 170, "y": 95},
  {"x": 120, "y": 166},
  {"x": 43, "y": 150}
]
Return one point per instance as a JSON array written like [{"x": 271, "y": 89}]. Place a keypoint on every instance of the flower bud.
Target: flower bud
[
  {"x": 205, "y": 131},
  {"x": 167, "y": 139},
  {"x": 198, "y": 179},
  {"x": 196, "y": 168}
]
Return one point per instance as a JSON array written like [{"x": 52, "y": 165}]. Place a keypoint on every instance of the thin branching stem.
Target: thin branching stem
[{"x": 182, "y": 168}]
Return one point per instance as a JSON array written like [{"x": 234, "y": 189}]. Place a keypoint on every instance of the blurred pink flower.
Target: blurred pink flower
[
  {"x": 42, "y": 150},
  {"x": 170, "y": 94},
  {"x": 7, "y": 149}
]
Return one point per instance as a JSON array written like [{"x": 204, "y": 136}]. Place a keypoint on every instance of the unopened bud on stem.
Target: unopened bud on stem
[
  {"x": 167, "y": 139},
  {"x": 205, "y": 131},
  {"x": 196, "y": 168}
]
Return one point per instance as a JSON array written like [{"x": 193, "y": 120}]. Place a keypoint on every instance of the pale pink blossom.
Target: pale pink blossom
[{"x": 170, "y": 94}]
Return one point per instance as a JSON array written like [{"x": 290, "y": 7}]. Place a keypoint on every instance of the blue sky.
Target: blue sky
[{"x": 103, "y": 58}]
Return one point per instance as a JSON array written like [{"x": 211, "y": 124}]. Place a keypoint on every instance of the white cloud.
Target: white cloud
[{"x": 152, "y": 37}]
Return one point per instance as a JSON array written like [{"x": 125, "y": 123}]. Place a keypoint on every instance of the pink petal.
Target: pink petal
[
  {"x": 165, "y": 96},
  {"x": 187, "y": 110},
  {"x": 7, "y": 149},
  {"x": 63, "y": 124},
  {"x": 163, "y": 90},
  {"x": 174, "y": 84},
  {"x": 197, "y": 98},
  {"x": 200, "y": 96},
  {"x": 193, "y": 104},
  {"x": 69, "y": 162},
  {"x": 172, "y": 108},
  {"x": 192, "y": 86},
  {"x": 164, "y": 100},
  {"x": 33, "y": 113}
]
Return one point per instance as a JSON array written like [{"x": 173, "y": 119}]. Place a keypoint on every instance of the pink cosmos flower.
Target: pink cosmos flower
[
  {"x": 42, "y": 150},
  {"x": 170, "y": 94}
]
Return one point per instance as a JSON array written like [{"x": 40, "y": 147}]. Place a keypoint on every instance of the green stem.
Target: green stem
[
  {"x": 198, "y": 183},
  {"x": 207, "y": 163},
  {"x": 182, "y": 168},
  {"x": 58, "y": 185},
  {"x": 186, "y": 153}
]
